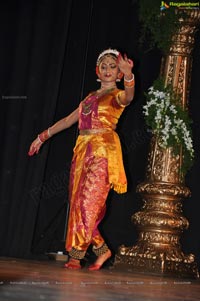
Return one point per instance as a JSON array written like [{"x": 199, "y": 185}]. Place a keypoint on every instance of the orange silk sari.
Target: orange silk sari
[{"x": 97, "y": 166}]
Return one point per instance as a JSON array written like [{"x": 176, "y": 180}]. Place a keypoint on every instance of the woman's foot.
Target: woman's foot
[
  {"x": 100, "y": 261},
  {"x": 73, "y": 264}
]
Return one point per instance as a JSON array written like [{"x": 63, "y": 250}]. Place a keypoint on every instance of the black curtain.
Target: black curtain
[{"x": 48, "y": 56}]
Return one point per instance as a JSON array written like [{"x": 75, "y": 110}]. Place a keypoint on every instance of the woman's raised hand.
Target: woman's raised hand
[{"x": 125, "y": 64}]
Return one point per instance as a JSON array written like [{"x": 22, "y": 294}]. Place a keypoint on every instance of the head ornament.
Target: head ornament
[{"x": 108, "y": 51}]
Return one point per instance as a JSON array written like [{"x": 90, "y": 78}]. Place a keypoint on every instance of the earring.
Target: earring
[
  {"x": 120, "y": 75},
  {"x": 97, "y": 72}
]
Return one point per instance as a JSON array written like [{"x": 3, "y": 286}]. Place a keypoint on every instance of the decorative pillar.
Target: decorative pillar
[{"x": 160, "y": 221}]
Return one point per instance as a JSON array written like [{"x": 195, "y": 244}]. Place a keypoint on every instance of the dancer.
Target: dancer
[{"x": 97, "y": 164}]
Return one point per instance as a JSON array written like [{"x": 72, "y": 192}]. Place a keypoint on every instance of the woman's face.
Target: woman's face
[{"x": 108, "y": 69}]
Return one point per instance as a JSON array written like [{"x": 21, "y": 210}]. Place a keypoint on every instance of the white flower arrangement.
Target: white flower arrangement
[{"x": 169, "y": 121}]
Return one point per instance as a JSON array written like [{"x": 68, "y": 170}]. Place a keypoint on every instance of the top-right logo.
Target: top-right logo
[{"x": 186, "y": 5}]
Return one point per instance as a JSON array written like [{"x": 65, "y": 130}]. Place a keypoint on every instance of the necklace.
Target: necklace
[
  {"x": 87, "y": 103},
  {"x": 102, "y": 92}
]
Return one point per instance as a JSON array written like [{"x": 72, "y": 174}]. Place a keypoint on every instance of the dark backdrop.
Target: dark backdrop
[{"x": 47, "y": 57}]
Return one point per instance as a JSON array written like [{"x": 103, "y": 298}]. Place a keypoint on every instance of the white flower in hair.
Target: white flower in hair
[{"x": 108, "y": 51}]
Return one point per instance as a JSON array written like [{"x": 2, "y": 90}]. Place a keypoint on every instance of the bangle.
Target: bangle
[
  {"x": 128, "y": 87},
  {"x": 130, "y": 84},
  {"x": 44, "y": 136},
  {"x": 129, "y": 80},
  {"x": 49, "y": 132},
  {"x": 39, "y": 139}
]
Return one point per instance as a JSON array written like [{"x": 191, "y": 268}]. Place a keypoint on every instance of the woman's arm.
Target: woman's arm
[
  {"x": 57, "y": 127},
  {"x": 129, "y": 90},
  {"x": 64, "y": 123},
  {"x": 125, "y": 66}
]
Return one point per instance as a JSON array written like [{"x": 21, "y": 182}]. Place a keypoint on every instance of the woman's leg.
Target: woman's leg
[{"x": 88, "y": 208}]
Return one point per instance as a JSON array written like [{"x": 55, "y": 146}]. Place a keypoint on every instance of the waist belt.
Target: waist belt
[{"x": 94, "y": 131}]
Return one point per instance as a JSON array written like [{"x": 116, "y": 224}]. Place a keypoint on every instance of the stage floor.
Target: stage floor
[{"x": 47, "y": 280}]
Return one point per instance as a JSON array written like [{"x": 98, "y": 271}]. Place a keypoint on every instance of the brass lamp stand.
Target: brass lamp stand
[{"x": 160, "y": 221}]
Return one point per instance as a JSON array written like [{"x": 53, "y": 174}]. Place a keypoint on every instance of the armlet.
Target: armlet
[{"x": 118, "y": 100}]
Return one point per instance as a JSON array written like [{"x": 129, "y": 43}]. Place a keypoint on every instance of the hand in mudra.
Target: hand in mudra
[
  {"x": 35, "y": 147},
  {"x": 125, "y": 64},
  {"x": 37, "y": 143}
]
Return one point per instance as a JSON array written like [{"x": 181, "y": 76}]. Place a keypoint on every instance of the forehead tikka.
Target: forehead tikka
[{"x": 110, "y": 51}]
